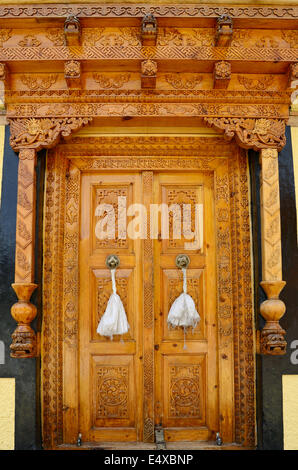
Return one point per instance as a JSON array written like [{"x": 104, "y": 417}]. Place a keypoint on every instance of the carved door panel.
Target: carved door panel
[
  {"x": 110, "y": 371},
  {"x": 186, "y": 371},
  {"x": 149, "y": 378}
]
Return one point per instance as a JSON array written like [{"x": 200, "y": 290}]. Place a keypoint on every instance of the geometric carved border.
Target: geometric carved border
[{"x": 235, "y": 315}]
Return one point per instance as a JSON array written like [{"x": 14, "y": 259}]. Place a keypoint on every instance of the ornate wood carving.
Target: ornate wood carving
[
  {"x": 252, "y": 133},
  {"x": 24, "y": 343},
  {"x": 148, "y": 339},
  {"x": 149, "y": 30},
  {"x": 148, "y": 74},
  {"x": 222, "y": 74},
  {"x": 224, "y": 31},
  {"x": 139, "y": 10},
  {"x": 272, "y": 335},
  {"x": 72, "y": 73},
  {"x": 24, "y": 338},
  {"x": 42, "y": 133},
  {"x": 235, "y": 290}
]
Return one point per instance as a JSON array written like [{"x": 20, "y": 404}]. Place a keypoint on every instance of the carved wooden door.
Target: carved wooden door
[
  {"x": 128, "y": 387},
  {"x": 110, "y": 371},
  {"x": 186, "y": 375}
]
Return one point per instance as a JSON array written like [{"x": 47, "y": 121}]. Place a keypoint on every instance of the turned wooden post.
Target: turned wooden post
[
  {"x": 24, "y": 338},
  {"x": 272, "y": 340}
]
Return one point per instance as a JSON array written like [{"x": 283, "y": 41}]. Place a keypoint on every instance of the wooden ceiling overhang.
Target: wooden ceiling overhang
[{"x": 67, "y": 66}]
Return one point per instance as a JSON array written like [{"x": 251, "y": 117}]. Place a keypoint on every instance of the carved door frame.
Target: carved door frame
[{"x": 60, "y": 288}]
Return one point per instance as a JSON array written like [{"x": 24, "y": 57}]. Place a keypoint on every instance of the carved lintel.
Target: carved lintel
[
  {"x": 222, "y": 74},
  {"x": 149, "y": 72},
  {"x": 24, "y": 343},
  {"x": 293, "y": 75},
  {"x": 72, "y": 74},
  {"x": 224, "y": 31},
  {"x": 72, "y": 31},
  {"x": 41, "y": 133},
  {"x": 252, "y": 133},
  {"x": 4, "y": 76},
  {"x": 272, "y": 337},
  {"x": 149, "y": 30}
]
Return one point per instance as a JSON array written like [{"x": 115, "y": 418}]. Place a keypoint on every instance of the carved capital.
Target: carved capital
[
  {"x": 250, "y": 132},
  {"x": 24, "y": 344},
  {"x": 272, "y": 341},
  {"x": 38, "y": 133}
]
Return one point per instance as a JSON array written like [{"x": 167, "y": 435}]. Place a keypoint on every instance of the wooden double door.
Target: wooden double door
[{"x": 153, "y": 376}]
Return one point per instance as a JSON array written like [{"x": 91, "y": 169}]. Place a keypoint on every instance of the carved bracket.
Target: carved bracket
[
  {"x": 251, "y": 133},
  {"x": 38, "y": 133}
]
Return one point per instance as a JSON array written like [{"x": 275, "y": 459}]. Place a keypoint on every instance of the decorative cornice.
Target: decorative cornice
[
  {"x": 42, "y": 133},
  {"x": 140, "y": 10}
]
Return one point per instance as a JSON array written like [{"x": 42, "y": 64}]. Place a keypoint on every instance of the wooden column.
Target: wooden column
[
  {"x": 272, "y": 340},
  {"x": 24, "y": 338}
]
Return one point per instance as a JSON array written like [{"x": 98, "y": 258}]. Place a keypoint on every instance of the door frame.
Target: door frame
[{"x": 236, "y": 335}]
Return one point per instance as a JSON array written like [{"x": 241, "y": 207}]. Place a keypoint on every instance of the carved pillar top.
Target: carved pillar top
[{"x": 38, "y": 133}]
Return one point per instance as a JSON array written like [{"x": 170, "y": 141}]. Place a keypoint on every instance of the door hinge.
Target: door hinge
[{"x": 159, "y": 438}]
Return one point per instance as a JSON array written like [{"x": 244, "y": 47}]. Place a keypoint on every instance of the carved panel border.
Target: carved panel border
[
  {"x": 140, "y": 10},
  {"x": 236, "y": 332}
]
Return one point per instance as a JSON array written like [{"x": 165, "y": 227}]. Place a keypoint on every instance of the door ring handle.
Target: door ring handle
[{"x": 112, "y": 261}]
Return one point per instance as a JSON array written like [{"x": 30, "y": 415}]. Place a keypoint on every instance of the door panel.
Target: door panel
[
  {"x": 110, "y": 371},
  {"x": 186, "y": 390},
  {"x": 178, "y": 388}
]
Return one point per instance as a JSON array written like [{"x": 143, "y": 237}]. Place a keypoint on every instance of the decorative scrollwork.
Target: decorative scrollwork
[
  {"x": 251, "y": 133},
  {"x": 43, "y": 132}
]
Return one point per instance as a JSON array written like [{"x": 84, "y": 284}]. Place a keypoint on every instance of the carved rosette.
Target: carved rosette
[
  {"x": 222, "y": 74},
  {"x": 72, "y": 73},
  {"x": 149, "y": 72},
  {"x": 260, "y": 133}
]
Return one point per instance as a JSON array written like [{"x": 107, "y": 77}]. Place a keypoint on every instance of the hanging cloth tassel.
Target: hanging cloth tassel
[
  {"x": 114, "y": 320},
  {"x": 183, "y": 311}
]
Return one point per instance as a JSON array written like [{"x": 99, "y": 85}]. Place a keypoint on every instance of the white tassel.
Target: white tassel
[
  {"x": 183, "y": 310},
  {"x": 114, "y": 320}
]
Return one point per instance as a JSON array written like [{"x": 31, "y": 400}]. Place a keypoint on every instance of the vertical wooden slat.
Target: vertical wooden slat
[{"x": 148, "y": 344}]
